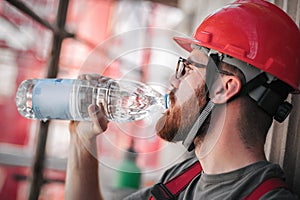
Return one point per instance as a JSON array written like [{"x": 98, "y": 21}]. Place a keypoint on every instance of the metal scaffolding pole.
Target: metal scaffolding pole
[
  {"x": 38, "y": 165},
  {"x": 59, "y": 34}
]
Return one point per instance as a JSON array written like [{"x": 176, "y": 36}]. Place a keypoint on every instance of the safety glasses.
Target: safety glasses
[{"x": 183, "y": 65}]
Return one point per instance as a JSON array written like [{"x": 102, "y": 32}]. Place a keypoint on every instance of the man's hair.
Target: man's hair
[{"x": 254, "y": 122}]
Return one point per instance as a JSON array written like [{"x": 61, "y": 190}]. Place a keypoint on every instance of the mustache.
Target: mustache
[{"x": 172, "y": 97}]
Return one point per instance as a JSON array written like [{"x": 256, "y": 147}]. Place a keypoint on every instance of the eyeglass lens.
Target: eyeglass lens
[{"x": 180, "y": 69}]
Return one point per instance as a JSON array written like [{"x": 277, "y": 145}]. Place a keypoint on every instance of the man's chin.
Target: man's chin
[
  {"x": 160, "y": 123},
  {"x": 166, "y": 127},
  {"x": 161, "y": 126}
]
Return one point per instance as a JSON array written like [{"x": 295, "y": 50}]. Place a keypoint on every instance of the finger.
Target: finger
[
  {"x": 102, "y": 79},
  {"x": 73, "y": 126},
  {"x": 93, "y": 76},
  {"x": 98, "y": 118},
  {"x": 82, "y": 76},
  {"x": 102, "y": 112}
]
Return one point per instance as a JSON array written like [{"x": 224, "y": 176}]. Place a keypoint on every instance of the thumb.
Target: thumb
[{"x": 99, "y": 120}]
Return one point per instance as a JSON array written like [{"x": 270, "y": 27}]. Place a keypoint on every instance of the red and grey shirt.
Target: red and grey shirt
[{"x": 237, "y": 184}]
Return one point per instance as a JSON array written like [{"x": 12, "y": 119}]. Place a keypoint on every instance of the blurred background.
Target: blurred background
[{"x": 129, "y": 39}]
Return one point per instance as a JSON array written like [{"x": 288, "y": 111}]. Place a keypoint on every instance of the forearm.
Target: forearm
[{"x": 82, "y": 181}]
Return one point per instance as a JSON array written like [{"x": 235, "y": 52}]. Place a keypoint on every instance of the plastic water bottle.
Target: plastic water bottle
[{"x": 68, "y": 99}]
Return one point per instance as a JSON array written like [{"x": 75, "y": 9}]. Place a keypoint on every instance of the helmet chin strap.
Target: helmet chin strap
[
  {"x": 188, "y": 142},
  {"x": 211, "y": 75}
]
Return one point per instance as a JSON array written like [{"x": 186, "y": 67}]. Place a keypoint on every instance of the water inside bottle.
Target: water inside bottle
[
  {"x": 24, "y": 99},
  {"x": 129, "y": 101}
]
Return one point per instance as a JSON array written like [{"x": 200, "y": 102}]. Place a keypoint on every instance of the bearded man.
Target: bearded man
[{"x": 223, "y": 100}]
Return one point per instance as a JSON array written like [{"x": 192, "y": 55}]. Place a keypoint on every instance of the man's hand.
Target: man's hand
[
  {"x": 90, "y": 129},
  {"x": 98, "y": 123}
]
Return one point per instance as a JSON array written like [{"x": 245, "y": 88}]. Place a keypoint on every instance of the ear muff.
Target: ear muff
[{"x": 269, "y": 93}]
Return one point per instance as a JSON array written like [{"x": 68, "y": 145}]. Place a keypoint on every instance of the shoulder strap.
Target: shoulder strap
[
  {"x": 266, "y": 187},
  {"x": 174, "y": 186},
  {"x": 171, "y": 189}
]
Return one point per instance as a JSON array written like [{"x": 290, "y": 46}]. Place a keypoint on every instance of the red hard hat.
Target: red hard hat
[{"x": 256, "y": 32}]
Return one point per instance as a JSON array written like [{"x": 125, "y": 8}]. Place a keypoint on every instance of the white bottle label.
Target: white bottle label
[{"x": 50, "y": 98}]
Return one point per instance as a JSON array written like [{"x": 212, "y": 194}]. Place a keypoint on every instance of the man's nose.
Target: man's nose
[{"x": 174, "y": 82}]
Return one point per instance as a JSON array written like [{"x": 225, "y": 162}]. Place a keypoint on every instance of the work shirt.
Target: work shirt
[{"x": 232, "y": 185}]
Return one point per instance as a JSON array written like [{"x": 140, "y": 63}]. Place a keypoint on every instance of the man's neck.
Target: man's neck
[
  {"x": 223, "y": 149},
  {"x": 228, "y": 160}
]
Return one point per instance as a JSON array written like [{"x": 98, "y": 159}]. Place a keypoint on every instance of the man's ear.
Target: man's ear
[{"x": 225, "y": 88}]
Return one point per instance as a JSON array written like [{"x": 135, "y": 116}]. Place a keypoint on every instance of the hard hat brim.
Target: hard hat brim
[{"x": 186, "y": 43}]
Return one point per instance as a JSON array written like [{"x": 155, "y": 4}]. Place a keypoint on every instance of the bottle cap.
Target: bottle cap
[{"x": 167, "y": 101}]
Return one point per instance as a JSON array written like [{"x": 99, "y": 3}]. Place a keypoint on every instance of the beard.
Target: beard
[{"x": 179, "y": 119}]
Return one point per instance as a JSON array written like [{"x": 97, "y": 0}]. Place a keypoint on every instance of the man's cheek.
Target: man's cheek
[{"x": 184, "y": 93}]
